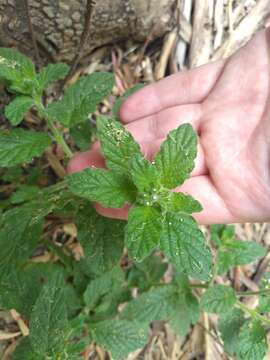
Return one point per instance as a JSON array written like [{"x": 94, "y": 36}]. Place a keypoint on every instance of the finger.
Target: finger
[
  {"x": 81, "y": 161},
  {"x": 185, "y": 87},
  {"x": 215, "y": 210},
  {"x": 158, "y": 125},
  {"x": 121, "y": 214}
]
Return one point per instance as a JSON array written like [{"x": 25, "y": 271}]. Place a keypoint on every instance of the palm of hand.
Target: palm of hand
[{"x": 226, "y": 102}]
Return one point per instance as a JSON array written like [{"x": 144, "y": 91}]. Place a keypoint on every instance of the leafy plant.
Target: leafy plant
[{"x": 70, "y": 301}]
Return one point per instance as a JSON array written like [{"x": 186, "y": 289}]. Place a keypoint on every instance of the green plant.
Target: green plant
[{"x": 70, "y": 302}]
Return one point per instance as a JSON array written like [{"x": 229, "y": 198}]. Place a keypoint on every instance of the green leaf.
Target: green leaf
[
  {"x": 82, "y": 134},
  {"x": 184, "y": 245},
  {"x": 18, "y": 237},
  {"x": 218, "y": 299},
  {"x": 119, "y": 101},
  {"x": 24, "y": 351},
  {"x": 105, "y": 187},
  {"x": 17, "y": 284},
  {"x": 175, "y": 160},
  {"x": 117, "y": 145},
  {"x": 143, "y": 231},
  {"x": 102, "y": 285},
  {"x": 179, "y": 203},
  {"x": 16, "y": 110},
  {"x": 264, "y": 297},
  {"x": 151, "y": 305},
  {"x": 144, "y": 174},
  {"x": 20, "y": 146},
  {"x": 18, "y": 70},
  {"x": 81, "y": 99},
  {"x": 120, "y": 337},
  {"x": 102, "y": 239},
  {"x": 24, "y": 193},
  {"x": 184, "y": 311},
  {"x": 48, "y": 323},
  {"x": 229, "y": 325},
  {"x": 234, "y": 252},
  {"x": 252, "y": 343},
  {"x": 51, "y": 73}
]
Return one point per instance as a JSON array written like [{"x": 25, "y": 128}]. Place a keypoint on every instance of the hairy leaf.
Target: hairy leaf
[
  {"x": 107, "y": 188},
  {"x": 48, "y": 323},
  {"x": 218, "y": 299},
  {"x": 117, "y": 144},
  {"x": 151, "y": 305},
  {"x": 229, "y": 325},
  {"x": 175, "y": 160},
  {"x": 102, "y": 239},
  {"x": 20, "y": 146},
  {"x": 143, "y": 231},
  {"x": 264, "y": 297},
  {"x": 179, "y": 203},
  {"x": 81, "y": 134},
  {"x": 120, "y": 337},
  {"x": 18, "y": 70},
  {"x": 252, "y": 343},
  {"x": 81, "y": 99},
  {"x": 144, "y": 174},
  {"x": 184, "y": 245},
  {"x": 16, "y": 110},
  {"x": 51, "y": 73},
  {"x": 18, "y": 237}
]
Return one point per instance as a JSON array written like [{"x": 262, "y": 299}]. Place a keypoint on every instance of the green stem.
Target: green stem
[
  {"x": 253, "y": 313},
  {"x": 55, "y": 132}
]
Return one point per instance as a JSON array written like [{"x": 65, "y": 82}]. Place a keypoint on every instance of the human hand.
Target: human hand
[{"x": 228, "y": 104}]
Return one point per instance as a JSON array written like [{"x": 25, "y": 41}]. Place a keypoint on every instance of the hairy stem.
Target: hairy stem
[{"x": 253, "y": 313}]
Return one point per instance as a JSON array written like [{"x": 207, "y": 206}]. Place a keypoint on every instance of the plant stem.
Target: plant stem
[
  {"x": 253, "y": 313},
  {"x": 55, "y": 132}
]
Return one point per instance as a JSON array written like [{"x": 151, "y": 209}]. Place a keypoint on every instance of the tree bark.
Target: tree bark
[{"x": 58, "y": 24}]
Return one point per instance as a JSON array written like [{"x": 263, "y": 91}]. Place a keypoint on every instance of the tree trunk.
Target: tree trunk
[{"x": 58, "y": 24}]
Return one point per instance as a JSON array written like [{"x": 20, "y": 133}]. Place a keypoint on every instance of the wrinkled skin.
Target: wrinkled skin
[{"x": 228, "y": 103}]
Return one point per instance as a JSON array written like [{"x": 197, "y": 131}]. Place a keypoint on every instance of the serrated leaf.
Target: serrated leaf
[
  {"x": 179, "y": 203},
  {"x": 51, "y": 73},
  {"x": 81, "y": 134},
  {"x": 16, "y": 286},
  {"x": 175, "y": 160},
  {"x": 234, "y": 252},
  {"x": 102, "y": 239},
  {"x": 184, "y": 311},
  {"x": 229, "y": 325},
  {"x": 218, "y": 299},
  {"x": 81, "y": 99},
  {"x": 16, "y": 110},
  {"x": 184, "y": 245},
  {"x": 18, "y": 70},
  {"x": 117, "y": 145},
  {"x": 151, "y": 305},
  {"x": 102, "y": 285},
  {"x": 20, "y": 146},
  {"x": 143, "y": 231},
  {"x": 105, "y": 187},
  {"x": 24, "y": 193},
  {"x": 119, "y": 101},
  {"x": 48, "y": 323},
  {"x": 24, "y": 351},
  {"x": 264, "y": 297},
  {"x": 252, "y": 343},
  {"x": 144, "y": 174},
  {"x": 18, "y": 237},
  {"x": 120, "y": 337}
]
